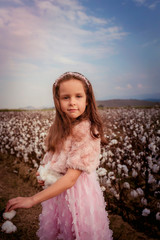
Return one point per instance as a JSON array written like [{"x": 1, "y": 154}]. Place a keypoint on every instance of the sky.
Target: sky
[{"x": 114, "y": 43}]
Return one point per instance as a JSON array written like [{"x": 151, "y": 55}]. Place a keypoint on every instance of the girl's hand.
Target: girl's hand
[
  {"x": 41, "y": 183},
  {"x": 19, "y": 202}
]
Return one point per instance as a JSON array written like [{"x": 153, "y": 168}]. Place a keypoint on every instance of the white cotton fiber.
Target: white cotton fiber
[
  {"x": 48, "y": 175},
  {"x": 9, "y": 215},
  {"x": 146, "y": 212},
  {"x": 52, "y": 178},
  {"x": 158, "y": 216},
  {"x": 101, "y": 172},
  {"x": 8, "y": 227}
]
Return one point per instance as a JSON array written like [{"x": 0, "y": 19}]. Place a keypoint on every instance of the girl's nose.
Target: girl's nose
[{"x": 72, "y": 101}]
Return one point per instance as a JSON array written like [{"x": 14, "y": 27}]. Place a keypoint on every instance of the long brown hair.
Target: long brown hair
[{"x": 62, "y": 125}]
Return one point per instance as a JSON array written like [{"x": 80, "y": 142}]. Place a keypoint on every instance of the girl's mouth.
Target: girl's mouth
[{"x": 72, "y": 110}]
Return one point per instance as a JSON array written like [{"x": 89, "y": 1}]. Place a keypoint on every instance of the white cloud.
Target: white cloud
[
  {"x": 53, "y": 33},
  {"x": 150, "y": 43},
  {"x": 42, "y": 40},
  {"x": 151, "y": 4},
  {"x": 60, "y": 24},
  {"x": 141, "y": 2}
]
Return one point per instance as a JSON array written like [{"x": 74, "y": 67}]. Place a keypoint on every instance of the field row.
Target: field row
[{"x": 130, "y": 163}]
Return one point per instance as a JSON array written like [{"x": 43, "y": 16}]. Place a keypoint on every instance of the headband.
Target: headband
[{"x": 73, "y": 74}]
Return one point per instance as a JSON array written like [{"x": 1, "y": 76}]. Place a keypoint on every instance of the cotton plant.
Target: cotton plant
[
  {"x": 131, "y": 155},
  {"x": 26, "y": 133}
]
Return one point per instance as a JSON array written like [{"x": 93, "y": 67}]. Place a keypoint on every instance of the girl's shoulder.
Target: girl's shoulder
[{"x": 81, "y": 129}]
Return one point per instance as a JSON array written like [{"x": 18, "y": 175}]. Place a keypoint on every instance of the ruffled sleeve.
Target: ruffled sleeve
[{"x": 85, "y": 150}]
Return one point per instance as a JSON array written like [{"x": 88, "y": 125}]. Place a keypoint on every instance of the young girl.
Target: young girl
[{"x": 73, "y": 206}]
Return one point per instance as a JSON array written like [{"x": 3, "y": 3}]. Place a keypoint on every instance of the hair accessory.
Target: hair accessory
[{"x": 73, "y": 74}]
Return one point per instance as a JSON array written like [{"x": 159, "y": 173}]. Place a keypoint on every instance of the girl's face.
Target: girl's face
[{"x": 72, "y": 98}]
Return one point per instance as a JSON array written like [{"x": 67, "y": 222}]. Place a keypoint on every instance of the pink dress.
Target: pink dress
[{"x": 79, "y": 212}]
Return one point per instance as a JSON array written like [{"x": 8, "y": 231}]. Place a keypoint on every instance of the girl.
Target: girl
[{"x": 73, "y": 206}]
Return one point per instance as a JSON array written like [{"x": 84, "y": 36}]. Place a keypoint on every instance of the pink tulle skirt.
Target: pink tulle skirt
[{"x": 78, "y": 213}]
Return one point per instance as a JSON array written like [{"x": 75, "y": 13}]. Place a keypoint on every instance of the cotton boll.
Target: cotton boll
[
  {"x": 134, "y": 173},
  {"x": 103, "y": 188},
  {"x": 109, "y": 164},
  {"x": 134, "y": 133},
  {"x": 113, "y": 191},
  {"x": 155, "y": 168},
  {"x": 158, "y": 205},
  {"x": 110, "y": 174},
  {"x": 101, "y": 172},
  {"x": 112, "y": 178},
  {"x": 151, "y": 179},
  {"x": 110, "y": 154},
  {"x": 129, "y": 162},
  {"x": 158, "y": 132},
  {"x": 125, "y": 169},
  {"x": 138, "y": 166},
  {"x": 8, "y": 227},
  {"x": 129, "y": 146},
  {"x": 140, "y": 191},
  {"x": 152, "y": 147},
  {"x": 104, "y": 154},
  {"x": 103, "y": 160},
  {"x": 35, "y": 163},
  {"x": 113, "y": 165},
  {"x": 52, "y": 178},
  {"x": 42, "y": 173},
  {"x": 119, "y": 171},
  {"x": 126, "y": 185},
  {"x": 144, "y": 201},
  {"x": 158, "y": 216},
  {"x": 143, "y": 139},
  {"x": 113, "y": 142},
  {"x": 134, "y": 194},
  {"x": 110, "y": 160},
  {"x": 146, "y": 212},
  {"x": 108, "y": 183},
  {"x": 9, "y": 215},
  {"x": 48, "y": 175},
  {"x": 150, "y": 162},
  {"x": 157, "y": 194}
]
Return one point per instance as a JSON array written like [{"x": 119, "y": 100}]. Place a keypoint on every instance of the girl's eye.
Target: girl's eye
[
  {"x": 65, "y": 97},
  {"x": 79, "y": 96}
]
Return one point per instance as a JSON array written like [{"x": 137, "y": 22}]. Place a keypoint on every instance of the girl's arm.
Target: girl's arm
[{"x": 62, "y": 184}]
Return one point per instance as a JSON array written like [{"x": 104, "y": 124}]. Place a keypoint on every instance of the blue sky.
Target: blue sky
[{"x": 114, "y": 43}]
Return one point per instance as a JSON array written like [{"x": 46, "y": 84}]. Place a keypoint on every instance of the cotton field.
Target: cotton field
[{"x": 129, "y": 172}]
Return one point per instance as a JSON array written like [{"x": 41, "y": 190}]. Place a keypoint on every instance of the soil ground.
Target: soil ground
[{"x": 15, "y": 181}]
